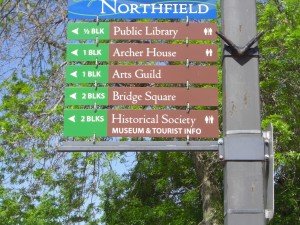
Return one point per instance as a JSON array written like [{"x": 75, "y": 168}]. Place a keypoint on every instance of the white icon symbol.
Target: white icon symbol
[
  {"x": 74, "y": 96},
  {"x": 206, "y": 119},
  {"x": 208, "y": 31},
  {"x": 209, "y": 52},
  {"x": 72, "y": 118},
  {"x": 209, "y": 119},
  {"x": 74, "y": 74},
  {"x": 75, "y": 31},
  {"x": 75, "y": 52}
]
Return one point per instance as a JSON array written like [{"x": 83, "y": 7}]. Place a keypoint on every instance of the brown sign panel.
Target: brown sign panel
[
  {"x": 163, "y": 96},
  {"x": 163, "y": 74},
  {"x": 162, "y": 31},
  {"x": 162, "y": 52},
  {"x": 163, "y": 123}
]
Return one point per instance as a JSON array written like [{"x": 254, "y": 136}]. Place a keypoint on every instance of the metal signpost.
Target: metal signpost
[
  {"x": 245, "y": 149},
  {"x": 244, "y": 152}
]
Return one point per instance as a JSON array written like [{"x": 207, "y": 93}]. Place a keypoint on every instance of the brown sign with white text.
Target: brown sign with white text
[
  {"x": 163, "y": 123},
  {"x": 163, "y": 74},
  {"x": 162, "y": 52},
  {"x": 163, "y": 96},
  {"x": 162, "y": 31}
]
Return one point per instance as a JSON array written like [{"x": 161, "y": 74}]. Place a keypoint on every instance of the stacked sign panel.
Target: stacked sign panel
[{"x": 94, "y": 73}]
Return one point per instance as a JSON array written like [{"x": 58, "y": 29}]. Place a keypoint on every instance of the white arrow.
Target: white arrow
[
  {"x": 75, "y": 52},
  {"x": 72, "y": 118},
  {"x": 74, "y": 74},
  {"x": 75, "y": 31},
  {"x": 74, "y": 96}
]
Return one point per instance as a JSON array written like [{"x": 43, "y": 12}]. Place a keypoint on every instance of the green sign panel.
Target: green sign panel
[
  {"x": 85, "y": 123},
  {"x": 86, "y": 96},
  {"x": 88, "y": 31},
  {"x": 86, "y": 74},
  {"x": 87, "y": 52}
]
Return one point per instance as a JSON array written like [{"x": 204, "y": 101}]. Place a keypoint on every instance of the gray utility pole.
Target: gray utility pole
[{"x": 244, "y": 173}]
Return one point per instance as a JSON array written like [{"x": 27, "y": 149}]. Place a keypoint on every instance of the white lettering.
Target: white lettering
[
  {"x": 121, "y": 75},
  {"x": 92, "y": 119},
  {"x": 125, "y": 7},
  {"x": 126, "y": 97},
  {"x": 128, "y": 130},
  {"x": 112, "y": 8},
  {"x": 152, "y": 74},
  {"x": 179, "y": 120},
  {"x": 155, "y": 8},
  {"x": 155, "y": 53},
  {"x": 127, "y": 53},
  {"x": 159, "y": 98}
]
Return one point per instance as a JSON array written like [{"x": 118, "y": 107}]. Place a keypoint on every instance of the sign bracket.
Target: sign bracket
[
  {"x": 97, "y": 41},
  {"x": 269, "y": 154},
  {"x": 238, "y": 51},
  {"x": 253, "y": 147},
  {"x": 188, "y": 107},
  {"x": 187, "y": 63},
  {"x": 256, "y": 147},
  {"x": 138, "y": 146},
  {"x": 187, "y": 85}
]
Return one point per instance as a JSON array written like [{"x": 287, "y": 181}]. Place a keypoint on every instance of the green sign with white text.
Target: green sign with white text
[
  {"x": 85, "y": 123},
  {"x": 86, "y": 96},
  {"x": 88, "y": 31},
  {"x": 87, "y": 74},
  {"x": 140, "y": 123},
  {"x": 87, "y": 52}
]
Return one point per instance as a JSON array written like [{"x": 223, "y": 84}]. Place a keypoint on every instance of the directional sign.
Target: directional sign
[
  {"x": 140, "y": 123},
  {"x": 141, "y": 9},
  {"x": 86, "y": 31},
  {"x": 141, "y": 74},
  {"x": 87, "y": 74},
  {"x": 85, "y": 123},
  {"x": 86, "y": 96},
  {"x": 141, "y": 96},
  {"x": 141, "y": 31},
  {"x": 87, "y": 52},
  {"x": 141, "y": 52}
]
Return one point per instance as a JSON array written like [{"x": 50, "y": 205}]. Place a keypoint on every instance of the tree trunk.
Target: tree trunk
[{"x": 208, "y": 171}]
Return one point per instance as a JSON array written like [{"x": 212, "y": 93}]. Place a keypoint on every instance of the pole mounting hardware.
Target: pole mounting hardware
[
  {"x": 269, "y": 152},
  {"x": 238, "y": 51}
]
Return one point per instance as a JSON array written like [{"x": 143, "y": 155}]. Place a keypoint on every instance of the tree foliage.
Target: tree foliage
[
  {"x": 161, "y": 189},
  {"x": 37, "y": 184},
  {"x": 280, "y": 86}
]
